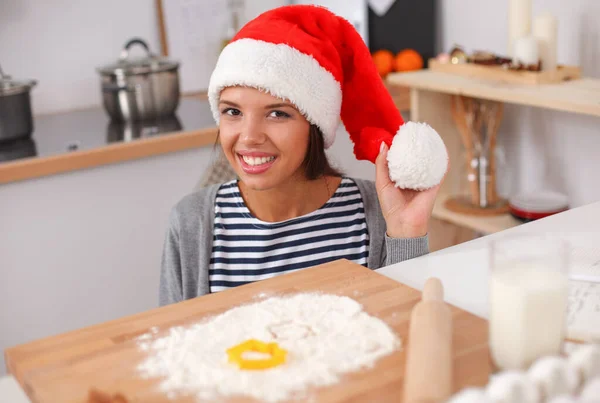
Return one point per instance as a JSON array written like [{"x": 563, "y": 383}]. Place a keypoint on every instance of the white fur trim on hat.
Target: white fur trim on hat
[
  {"x": 418, "y": 158},
  {"x": 283, "y": 72}
]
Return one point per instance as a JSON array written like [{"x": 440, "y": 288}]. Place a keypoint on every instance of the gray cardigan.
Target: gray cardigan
[{"x": 188, "y": 243}]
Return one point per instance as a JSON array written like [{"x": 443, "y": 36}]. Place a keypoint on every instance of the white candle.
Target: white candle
[
  {"x": 519, "y": 21},
  {"x": 545, "y": 29},
  {"x": 526, "y": 51}
]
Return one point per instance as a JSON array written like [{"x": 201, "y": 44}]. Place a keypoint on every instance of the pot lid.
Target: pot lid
[
  {"x": 9, "y": 86},
  {"x": 131, "y": 66}
]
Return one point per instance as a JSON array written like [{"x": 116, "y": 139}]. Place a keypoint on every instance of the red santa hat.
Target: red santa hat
[{"x": 317, "y": 61}]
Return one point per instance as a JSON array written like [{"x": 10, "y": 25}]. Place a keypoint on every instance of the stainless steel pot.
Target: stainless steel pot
[
  {"x": 16, "y": 120},
  {"x": 18, "y": 149},
  {"x": 140, "y": 89}
]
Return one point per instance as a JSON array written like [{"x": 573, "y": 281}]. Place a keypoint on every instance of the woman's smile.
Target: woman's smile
[{"x": 255, "y": 162}]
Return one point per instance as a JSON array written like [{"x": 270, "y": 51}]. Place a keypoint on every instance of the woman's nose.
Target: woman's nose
[{"x": 252, "y": 133}]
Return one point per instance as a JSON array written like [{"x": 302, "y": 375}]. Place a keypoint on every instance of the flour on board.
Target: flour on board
[{"x": 325, "y": 336}]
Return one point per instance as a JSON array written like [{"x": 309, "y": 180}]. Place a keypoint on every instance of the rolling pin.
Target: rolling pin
[{"x": 428, "y": 371}]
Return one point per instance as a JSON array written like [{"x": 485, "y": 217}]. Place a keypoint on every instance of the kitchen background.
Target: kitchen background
[{"x": 84, "y": 247}]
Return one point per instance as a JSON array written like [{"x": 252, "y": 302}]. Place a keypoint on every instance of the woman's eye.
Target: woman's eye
[
  {"x": 231, "y": 112},
  {"x": 280, "y": 114}
]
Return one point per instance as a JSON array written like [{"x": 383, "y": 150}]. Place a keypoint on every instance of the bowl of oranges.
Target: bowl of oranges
[{"x": 405, "y": 60}]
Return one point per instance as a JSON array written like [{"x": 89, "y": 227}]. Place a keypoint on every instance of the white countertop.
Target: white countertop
[
  {"x": 463, "y": 269},
  {"x": 10, "y": 391}
]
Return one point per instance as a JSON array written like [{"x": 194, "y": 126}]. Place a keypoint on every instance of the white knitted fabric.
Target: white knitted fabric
[{"x": 418, "y": 158}]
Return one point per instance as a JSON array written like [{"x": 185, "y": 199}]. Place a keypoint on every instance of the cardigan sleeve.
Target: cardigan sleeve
[
  {"x": 401, "y": 249},
  {"x": 171, "y": 287}
]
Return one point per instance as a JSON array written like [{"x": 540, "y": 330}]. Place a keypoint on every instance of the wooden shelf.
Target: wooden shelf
[
  {"x": 485, "y": 225},
  {"x": 578, "y": 96},
  {"x": 401, "y": 96}
]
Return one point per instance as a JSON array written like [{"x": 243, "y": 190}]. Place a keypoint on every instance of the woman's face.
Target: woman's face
[{"x": 264, "y": 138}]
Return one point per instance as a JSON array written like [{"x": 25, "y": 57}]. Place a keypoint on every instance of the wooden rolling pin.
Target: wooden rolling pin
[{"x": 428, "y": 372}]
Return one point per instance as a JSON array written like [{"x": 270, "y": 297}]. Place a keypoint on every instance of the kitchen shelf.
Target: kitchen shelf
[
  {"x": 485, "y": 225},
  {"x": 401, "y": 96},
  {"x": 578, "y": 96}
]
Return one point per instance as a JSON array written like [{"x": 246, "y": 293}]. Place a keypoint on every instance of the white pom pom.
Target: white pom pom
[
  {"x": 418, "y": 158},
  {"x": 470, "y": 395},
  {"x": 554, "y": 377},
  {"x": 586, "y": 361},
  {"x": 591, "y": 391},
  {"x": 512, "y": 387}
]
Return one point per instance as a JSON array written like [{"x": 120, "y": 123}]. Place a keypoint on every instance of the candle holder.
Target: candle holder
[{"x": 478, "y": 122}]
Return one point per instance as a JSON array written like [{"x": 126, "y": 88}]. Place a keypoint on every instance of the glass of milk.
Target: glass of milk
[{"x": 528, "y": 299}]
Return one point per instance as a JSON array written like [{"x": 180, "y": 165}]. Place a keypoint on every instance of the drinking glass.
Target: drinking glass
[{"x": 528, "y": 298}]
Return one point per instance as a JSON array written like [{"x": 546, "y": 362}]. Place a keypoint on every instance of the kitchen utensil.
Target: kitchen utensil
[
  {"x": 428, "y": 371},
  {"x": 493, "y": 125},
  {"x": 459, "y": 110},
  {"x": 135, "y": 89},
  {"x": 16, "y": 119},
  {"x": 64, "y": 367},
  {"x": 478, "y": 122}
]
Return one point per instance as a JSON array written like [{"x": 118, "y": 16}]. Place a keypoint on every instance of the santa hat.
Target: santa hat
[{"x": 317, "y": 61}]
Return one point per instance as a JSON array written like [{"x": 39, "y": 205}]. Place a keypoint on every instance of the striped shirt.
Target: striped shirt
[{"x": 246, "y": 249}]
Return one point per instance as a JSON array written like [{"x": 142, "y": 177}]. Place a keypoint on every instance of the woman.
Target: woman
[{"x": 277, "y": 93}]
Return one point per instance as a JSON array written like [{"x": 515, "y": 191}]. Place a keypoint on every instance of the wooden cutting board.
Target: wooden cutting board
[{"x": 63, "y": 368}]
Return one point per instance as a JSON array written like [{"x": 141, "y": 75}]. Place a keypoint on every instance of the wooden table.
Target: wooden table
[
  {"x": 64, "y": 368},
  {"x": 430, "y": 98}
]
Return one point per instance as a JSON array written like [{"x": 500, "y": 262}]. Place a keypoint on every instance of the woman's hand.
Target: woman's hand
[{"x": 406, "y": 211}]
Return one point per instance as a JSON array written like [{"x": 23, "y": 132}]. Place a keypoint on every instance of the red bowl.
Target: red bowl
[{"x": 533, "y": 206}]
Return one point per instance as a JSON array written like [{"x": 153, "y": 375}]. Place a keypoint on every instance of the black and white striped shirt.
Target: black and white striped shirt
[{"x": 246, "y": 249}]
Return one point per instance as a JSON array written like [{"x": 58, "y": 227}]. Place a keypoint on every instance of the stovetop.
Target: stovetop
[{"x": 92, "y": 128}]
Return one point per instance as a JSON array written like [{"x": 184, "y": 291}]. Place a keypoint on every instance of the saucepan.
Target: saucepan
[
  {"x": 138, "y": 89},
  {"x": 16, "y": 120}
]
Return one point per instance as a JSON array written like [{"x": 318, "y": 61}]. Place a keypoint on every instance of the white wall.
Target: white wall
[{"x": 543, "y": 148}]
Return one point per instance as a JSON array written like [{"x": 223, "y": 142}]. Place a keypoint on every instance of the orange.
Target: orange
[
  {"x": 408, "y": 60},
  {"x": 384, "y": 60}
]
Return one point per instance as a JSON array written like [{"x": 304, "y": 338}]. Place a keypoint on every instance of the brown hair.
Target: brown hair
[{"x": 315, "y": 161}]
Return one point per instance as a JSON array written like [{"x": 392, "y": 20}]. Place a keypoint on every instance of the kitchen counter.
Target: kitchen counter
[
  {"x": 87, "y": 138},
  {"x": 464, "y": 268},
  {"x": 10, "y": 391}
]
